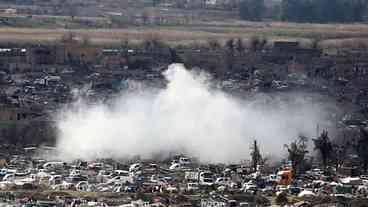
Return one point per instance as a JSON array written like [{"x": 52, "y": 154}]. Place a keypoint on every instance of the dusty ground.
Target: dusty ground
[{"x": 331, "y": 33}]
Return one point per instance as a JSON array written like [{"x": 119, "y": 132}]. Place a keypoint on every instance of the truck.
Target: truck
[
  {"x": 201, "y": 177},
  {"x": 192, "y": 176},
  {"x": 285, "y": 177},
  {"x": 206, "y": 178}
]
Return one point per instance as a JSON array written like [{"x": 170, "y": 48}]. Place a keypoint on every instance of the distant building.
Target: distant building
[
  {"x": 10, "y": 113},
  {"x": 46, "y": 55},
  {"x": 285, "y": 45}
]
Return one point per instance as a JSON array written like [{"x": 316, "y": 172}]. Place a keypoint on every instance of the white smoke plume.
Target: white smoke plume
[{"x": 187, "y": 116}]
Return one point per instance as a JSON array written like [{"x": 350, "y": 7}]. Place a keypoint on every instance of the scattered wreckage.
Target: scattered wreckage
[{"x": 217, "y": 184}]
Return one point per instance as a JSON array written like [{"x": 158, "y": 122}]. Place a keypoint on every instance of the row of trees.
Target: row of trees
[
  {"x": 238, "y": 45},
  {"x": 319, "y": 11},
  {"x": 331, "y": 153}
]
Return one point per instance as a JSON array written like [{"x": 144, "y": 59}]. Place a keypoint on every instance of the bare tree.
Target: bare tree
[
  {"x": 361, "y": 146},
  {"x": 214, "y": 44},
  {"x": 125, "y": 43},
  {"x": 315, "y": 44},
  {"x": 255, "y": 155},
  {"x": 339, "y": 153},
  {"x": 239, "y": 46},
  {"x": 257, "y": 43},
  {"x": 230, "y": 46},
  {"x": 297, "y": 151},
  {"x": 324, "y": 146},
  {"x": 86, "y": 40}
]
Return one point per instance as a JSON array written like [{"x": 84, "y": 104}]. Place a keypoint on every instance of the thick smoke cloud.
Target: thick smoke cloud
[{"x": 187, "y": 116}]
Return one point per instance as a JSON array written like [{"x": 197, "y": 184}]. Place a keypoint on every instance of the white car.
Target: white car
[
  {"x": 119, "y": 179},
  {"x": 192, "y": 186},
  {"x": 9, "y": 177},
  {"x": 206, "y": 181},
  {"x": 316, "y": 171},
  {"x": 175, "y": 166},
  {"x": 135, "y": 167},
  {"x": 184, "y": 161},
  {"x": 55, "y": 180},
  {"x": 223, "y": 181},
  {"x": 121, "y": 173},
  {"x": 157, "y": 179},
  {"x": 82, "y": 186},
  {"x": 249, "y": 187},
  {"x": 281, "y": 188},
  {"x": 94, "y": 165},
  {"x": 172, "y": 189},
  {"x": 75, "y": 173},
  {"x": 53, "y": 165},
  {"x": 364, "y": 177}
]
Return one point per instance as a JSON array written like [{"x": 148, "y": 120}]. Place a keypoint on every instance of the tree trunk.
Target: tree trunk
[
  {"x": 324, "y": 163},
  {"x": 337, "y": 165}
]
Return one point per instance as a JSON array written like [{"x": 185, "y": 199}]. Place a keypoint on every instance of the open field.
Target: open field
[{"x": 196, "y": 32}]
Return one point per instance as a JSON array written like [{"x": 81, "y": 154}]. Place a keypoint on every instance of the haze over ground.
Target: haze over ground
[{"x": 187, "y": 116}]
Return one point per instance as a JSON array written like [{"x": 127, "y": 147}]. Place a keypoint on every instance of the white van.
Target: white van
[
  {"x": 206, "y": 178},
  {"x": 53, "y": 165}
]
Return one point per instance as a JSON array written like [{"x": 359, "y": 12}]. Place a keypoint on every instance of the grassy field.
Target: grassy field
[{"x": 330, "y": 33}]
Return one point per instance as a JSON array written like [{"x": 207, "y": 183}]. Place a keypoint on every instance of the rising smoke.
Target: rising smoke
[{"x": 187, "y": 116}]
